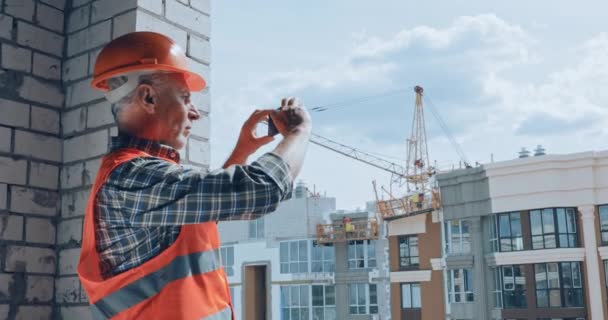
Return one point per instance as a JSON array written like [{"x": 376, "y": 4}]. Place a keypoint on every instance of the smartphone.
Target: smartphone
[{"x": 272, "y": 128}]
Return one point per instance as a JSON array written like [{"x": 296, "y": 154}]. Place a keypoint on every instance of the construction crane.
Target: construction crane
[{"x": 422, "y": 195}]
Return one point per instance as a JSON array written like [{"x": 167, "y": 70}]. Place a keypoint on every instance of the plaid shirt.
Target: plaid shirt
[{"x": 140, "y": 208}]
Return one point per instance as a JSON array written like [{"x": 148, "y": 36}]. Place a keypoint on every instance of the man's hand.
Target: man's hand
[
  {"x": 248, "y": 142},
  {"x": 292, "y": 118}
]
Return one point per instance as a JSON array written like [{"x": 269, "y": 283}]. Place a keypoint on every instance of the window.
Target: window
[
  {"x": 323, "y": 303},
  {"x": 408, "y": 253},
  {"x": 604, "y": 223},
  {"x": 410, "y": 296},
  {"x": 493, "y": 233},
  {"x": 558, "y": 284},
  {"x": 497, "y": 290},
  {"x": 460, "y": 285},
  {"x": 361, "y": 254},
  {"x": 323, "y": 258},
  {"x": 606, "y": 272},
  {"x": 256, "y": 228},
  {"x": 509, "y": 232},
  {"x": 513, "y": 280},
  {"x": 363, "y": 298},
  {"x": 227, "y": 258},
  {"x": 553, "y": 228},
  {"x": 294, "y": 256},
  {"x": 294, "y": 302},
  {"x": 458, "y": 236}
]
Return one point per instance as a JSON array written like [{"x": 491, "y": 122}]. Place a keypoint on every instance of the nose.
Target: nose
[{"x": 193, "y": 113}]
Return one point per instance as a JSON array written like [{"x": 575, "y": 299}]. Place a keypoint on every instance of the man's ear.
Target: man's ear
[{"x": 147, "y": 98}]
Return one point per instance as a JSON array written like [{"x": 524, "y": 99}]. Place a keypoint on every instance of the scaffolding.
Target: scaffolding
[{"x": 347, "y": 231}]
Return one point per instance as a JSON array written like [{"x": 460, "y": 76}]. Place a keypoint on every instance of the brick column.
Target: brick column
[
  {"x": 31, "y": 99},
  {"x": 596, "y": 305}
]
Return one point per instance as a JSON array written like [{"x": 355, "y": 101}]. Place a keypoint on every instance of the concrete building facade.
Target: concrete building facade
[
  {"x": 276, "y": 262},
  {"x": 54, "y": 130},
  {"x": 526, "y": 238}
]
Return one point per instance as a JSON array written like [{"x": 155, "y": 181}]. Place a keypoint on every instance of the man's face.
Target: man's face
[{"x": 175, "y": 113}]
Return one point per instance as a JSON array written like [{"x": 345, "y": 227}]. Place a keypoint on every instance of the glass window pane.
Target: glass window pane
[
  {"x": 571, "y": 220},
  {"x": 294, "y": 296},
  {"x": 285, "y": 314},
  {"x": 295, "y": 314},
  {"x": 352, "y": 291},
  {"x": 416, "y": 302},
  {"x": 540, "y": 276},
  {"x": 361, "y": 294},
  {"x": 536, "y": 222},
  {"x": 537, "y": 242},
  {"x": 285, "y": 296},
  {"x": 566, "y": 275},
  {"x": 504, "y": 225},
  {"x": 284, "y": 252},
  {"x": 553, "y": 275},
  {"x": 604, "y": 217},
  {"x": 330, "y": 296},
  {"x": 555, "y": 299},
  {"x": 548, "y": 223},
  {"x": 303, "y": 295},
  {"x": 373, "y": 297},
  {"x": 303, "y": 248},
  {"x": 515, "y": 224},
  {"x": 317, "y": 313},
  {"x": 561, "y": 220},
  {"x": 406, "y": 299},
  {"x": 550, "y": 241},
  {"x": 576, "y": 275},
  {"x": 317, "y": 295},
  {"x": 293, "y": 250},
  {"x": 542, "y": 300}
]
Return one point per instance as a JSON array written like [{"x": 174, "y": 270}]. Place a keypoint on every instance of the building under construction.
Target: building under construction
[{"x": 282, "y": 266}]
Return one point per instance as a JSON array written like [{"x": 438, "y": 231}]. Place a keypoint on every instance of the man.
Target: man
[{"x": 150, "y": 242}]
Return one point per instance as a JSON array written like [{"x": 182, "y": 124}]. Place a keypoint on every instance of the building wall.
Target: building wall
[
  {"x": 574, "y": 180},
  {"x": 54, "y": 130},
  {"x": 31, "y": 100},
  {"x": 428, "y": 229}
]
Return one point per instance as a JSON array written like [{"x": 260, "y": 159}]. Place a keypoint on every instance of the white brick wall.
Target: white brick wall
[
  {"x": 85, "y": 146},
  {"x": 59, "y": 4},
  {"x": 26, "y": 200},
  {"x": 155, "y": 6},
  {"x": 187, "y": 17},
  {"x": 44, "y": 175},
  {"x": 14, "y": 114},
  {"x": 11, "y": 227},
  {"x": 198, "y": 152},
  {"x": 41, "y": 91},
  {"x": 76, "y": 68},
  {"x": 99, "y": 114},
  {"x": 30, "y": 259},
  {"x": 89, "y": 38},
  {"x": 39, "y": 230},
  {"x": 6, "y": 23},
  {"x": 71, "y": 176},
  {"x": 37, "y": 145},
  {"x": 44, "y": 119},
  {"x": 79, "y": 18},
  {"x": 13, "y": 171},
  {"x": 3, "y": 196},
  {"x": 124, "y": 24},
  {"x": 6, "y": 136},
  {"x": 80, "y": 313},
  {"x": 16, "y": 58},
  {"x": 69, "y": 231},
  {"x": 147, "y": 22},
  {"x": 81, "y": 92},
  {"x": 23, "y": 9},
  {"x": 102, "y": 9},
  {"x": 67, "y": 289},
  {"x": 33, "y": 312},
  {"x": 74, "y": 121},
  {"x": 199, "y": 49},
  {"x": 73, "y": 203},
  {"x": 37, "y": 38},
  {"x": 49, "y": 17},
  {"x": 68, "y": 261},
  {"x": 47, "y": 66},
  {"x": 39, "y": 289}
]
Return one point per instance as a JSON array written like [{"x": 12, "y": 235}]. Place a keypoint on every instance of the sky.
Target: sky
[{"x": 502, "y": 76}]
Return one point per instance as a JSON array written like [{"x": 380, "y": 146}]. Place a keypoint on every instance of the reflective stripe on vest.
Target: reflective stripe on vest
[{"x": 146, "y": 287}]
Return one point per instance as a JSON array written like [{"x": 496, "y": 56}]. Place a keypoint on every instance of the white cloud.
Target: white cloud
[{"x": 493, "y": 58}]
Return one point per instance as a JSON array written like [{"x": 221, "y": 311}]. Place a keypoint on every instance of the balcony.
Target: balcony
[{"x": 342, "y": 232}]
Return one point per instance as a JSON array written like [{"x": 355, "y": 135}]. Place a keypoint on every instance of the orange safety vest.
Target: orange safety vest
[{"x": 185, "y": 281}]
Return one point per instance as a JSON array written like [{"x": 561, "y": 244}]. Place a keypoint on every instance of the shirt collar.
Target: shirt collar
[{"x": 153, "y": 148}]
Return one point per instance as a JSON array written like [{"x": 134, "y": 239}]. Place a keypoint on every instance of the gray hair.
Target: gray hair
[{"x": 153, "y": 79}]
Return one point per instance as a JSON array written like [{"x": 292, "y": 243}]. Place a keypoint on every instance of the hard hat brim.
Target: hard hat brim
[{"x": 194, "y": 81}]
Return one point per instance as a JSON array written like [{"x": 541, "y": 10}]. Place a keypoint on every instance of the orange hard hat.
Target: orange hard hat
[{"x": 140, "y": 52}]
